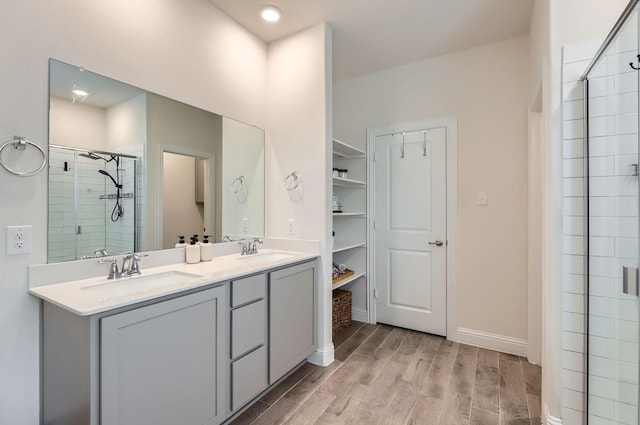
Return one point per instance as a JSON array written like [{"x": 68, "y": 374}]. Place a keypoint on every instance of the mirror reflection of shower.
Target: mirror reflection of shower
[
  {"x": 118, "y": 210},
  {"x": 93, "y": 212}
]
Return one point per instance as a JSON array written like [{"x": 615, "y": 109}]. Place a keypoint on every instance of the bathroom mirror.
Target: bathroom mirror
[{"x": 130, "y": 170}]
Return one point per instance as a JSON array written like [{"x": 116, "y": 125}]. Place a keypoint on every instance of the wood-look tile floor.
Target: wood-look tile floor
[{"x": 391, "y": 376}]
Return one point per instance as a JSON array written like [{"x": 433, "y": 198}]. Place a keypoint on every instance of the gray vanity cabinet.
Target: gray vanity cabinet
[
  {"x": 160, "y": 363},
  {"x": 292, "y": 315}
]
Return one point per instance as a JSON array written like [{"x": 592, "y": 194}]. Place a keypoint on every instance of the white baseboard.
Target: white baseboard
[
  {"x": 547, "y": 419},
  {"x": 359, "y": 315},
  {"x": 505, "y": 344},
  {"x": 322, "y": 356}
]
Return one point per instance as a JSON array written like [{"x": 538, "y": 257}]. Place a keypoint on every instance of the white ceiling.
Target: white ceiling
[{"x": 371, "y": 35}]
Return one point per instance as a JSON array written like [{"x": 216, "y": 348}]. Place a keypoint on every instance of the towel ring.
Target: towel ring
[
  {"x": 292, "y": 181},
  {"x": 21, "y": 143},
  {"x": 238, "y": 184}
]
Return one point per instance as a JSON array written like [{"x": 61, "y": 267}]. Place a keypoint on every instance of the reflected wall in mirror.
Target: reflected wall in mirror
[{"x": 119, "y": 158}]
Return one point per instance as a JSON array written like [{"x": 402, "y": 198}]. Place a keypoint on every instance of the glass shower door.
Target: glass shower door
[{"x": 613, "y": 239}]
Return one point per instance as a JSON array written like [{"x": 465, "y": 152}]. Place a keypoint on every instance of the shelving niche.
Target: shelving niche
[{"x": 350, "y": 225}]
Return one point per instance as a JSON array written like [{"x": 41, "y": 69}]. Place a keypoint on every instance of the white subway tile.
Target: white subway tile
[
  {"x": 624, "y": 166},
  {"x": 575, "y": 226},
  {"x": 573, "y": 283},
  {"x": 626, "y": 206},
  {"x": 602, "y": 366},
  {"x": 573, "y": 186},
  {"x": 574, "y": 245},
  {"x": 602, "y": 326},
  {"x": 601, "y": 126},
  {"x": 598, "y": 107},
  {"x": 572, "y": 399},
  {"x": 625, "y": 83},
  {"x": 601, "y": 206},
  {"x": 626, "y": 247},
  {"x": 573, "y": 110},
  {"x": 574, "y": 167},
  {"x": 573, "y": 207},
  {"x": 602, "y": 387},
  {"x": 602, "y": 286},
  {"x": 626, "y": 372},
  {"x": 574, "y": 129},
  {"x": 573, "y": 303},
  {"x": 601, "y": 246},
  {"x": 601, "y": 166},
  {"x": 573, "y": 341},
  {"x": 628, "y": 393},
  {"x": 626, "y": 330},
  {"x": 573, "y": 148},
  {"x": 603, "y": 86},
  {"x": 573, "y": 322},
  {"x": 572, "y": 416},
  {"x": 572, "y": 380},
  {"x": 626, "y": 124},
  {"x": 627, "y": 414},
  {"x": 602, "y": 407},
  {"x": 573, "y": 264}
]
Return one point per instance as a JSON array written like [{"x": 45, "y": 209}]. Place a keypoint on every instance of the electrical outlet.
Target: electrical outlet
[
  {"x": 245, "y": 225},
  {"x": 19, "y": 240},
  {"x": 482, "y": 198},
  {"x": 292, "y": 226}
]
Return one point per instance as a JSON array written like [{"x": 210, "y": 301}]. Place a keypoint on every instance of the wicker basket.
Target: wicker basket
[{"x": 341, "y": 310}]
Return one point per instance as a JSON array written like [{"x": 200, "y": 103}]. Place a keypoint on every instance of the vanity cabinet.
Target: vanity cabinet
[
  {"x": 160, "y": 363},
  {"x": 292, "y": 313}
]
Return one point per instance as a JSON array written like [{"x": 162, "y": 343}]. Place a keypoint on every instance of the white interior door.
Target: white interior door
[{"x": 410, "y": 230}]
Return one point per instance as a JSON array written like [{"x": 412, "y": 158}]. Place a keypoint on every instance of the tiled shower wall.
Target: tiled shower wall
[
  {"x": 613, "y": 126},
  {"x": 93, "y": 214}
]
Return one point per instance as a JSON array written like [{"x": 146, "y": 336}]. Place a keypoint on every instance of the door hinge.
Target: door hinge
[
  {"x": 375, "y": 293},
  {"x": 375, "y": 157},
  {"x": 374, "y": 225}
]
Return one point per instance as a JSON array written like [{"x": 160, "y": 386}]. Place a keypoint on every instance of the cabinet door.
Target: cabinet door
[
  {"x": 291, "y": 317},
  {"x": 162, "y": 364}
]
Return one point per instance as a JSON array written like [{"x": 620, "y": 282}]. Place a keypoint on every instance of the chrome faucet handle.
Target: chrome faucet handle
[
  {"x": 134, "y": 266},
  {"x": 113, "y": 268},
  {"x": 253, "y": 247}
]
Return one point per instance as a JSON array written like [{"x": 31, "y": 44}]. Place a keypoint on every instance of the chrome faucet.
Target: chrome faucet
[
  {"x": 249, "y": 246},
  {"x": 130, "y": 266}
]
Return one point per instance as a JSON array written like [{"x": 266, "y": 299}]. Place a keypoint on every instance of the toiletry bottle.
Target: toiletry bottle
[
  {"x": 192, "y": 252},
  {"x": 206, "y": 249},
  {"x": 195, "y": 237},
  {"x": 181, "y": 242}
]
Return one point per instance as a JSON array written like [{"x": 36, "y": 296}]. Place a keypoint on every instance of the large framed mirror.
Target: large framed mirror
[{"x": 130, "y": 170}]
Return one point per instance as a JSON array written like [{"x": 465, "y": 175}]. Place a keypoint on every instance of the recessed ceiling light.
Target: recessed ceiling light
[
  {"x": 270, "y": 13},
  {"x": 78, "y": 95}
]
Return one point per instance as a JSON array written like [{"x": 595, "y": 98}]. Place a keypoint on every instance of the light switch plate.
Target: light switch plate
[{"x": 292, "y": 226}]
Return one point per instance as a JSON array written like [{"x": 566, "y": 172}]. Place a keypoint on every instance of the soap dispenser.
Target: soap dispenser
[
  {"x": 181, "y": 242},
  {"x": 193, "y": 252},
  {"x": 206, "y": 249}
]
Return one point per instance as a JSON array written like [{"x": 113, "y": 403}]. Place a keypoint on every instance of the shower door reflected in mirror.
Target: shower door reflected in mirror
[{"x": 92, "y": 203}]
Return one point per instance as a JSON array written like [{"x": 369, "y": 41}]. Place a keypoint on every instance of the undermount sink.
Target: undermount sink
[
  {"x": 265, "y": 257},
  {"x": 139, "y": 284}
]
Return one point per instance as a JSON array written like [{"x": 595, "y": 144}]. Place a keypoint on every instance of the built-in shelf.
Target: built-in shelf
[
  {"x": 349, "y": 214},
  {"x": 350, "y": 279},
  {"x": 342, "y": 150},
  {"x": 343, "y": 246},
  {"x": 340, "y": 182}
]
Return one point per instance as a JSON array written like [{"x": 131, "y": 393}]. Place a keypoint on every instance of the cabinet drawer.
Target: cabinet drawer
[
  {"x": 248, "y": 328},
  {"x": 248, "y": 377},
  {"x": 248, "y": 289}
]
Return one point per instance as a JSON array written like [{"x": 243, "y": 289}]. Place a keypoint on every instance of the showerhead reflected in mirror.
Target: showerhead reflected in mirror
[{"x": 107, "y": 161}]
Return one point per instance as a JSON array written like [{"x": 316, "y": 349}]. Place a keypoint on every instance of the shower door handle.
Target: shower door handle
[
  {"x": 630, "y": 280},
  {"x": 437, "y": 243}
]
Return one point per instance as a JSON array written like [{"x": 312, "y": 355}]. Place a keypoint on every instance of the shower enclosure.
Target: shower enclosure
[
  {"x": 611, "y": 109},
  {"x": 92, "y": 203}
]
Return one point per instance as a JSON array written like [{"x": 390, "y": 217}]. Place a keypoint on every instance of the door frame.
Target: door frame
[{"x": 451, "y": 130}]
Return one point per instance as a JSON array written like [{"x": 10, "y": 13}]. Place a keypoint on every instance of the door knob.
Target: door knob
[{"x": 437, "y": 243}]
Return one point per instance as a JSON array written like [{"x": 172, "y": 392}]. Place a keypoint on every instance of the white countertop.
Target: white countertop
[{"x": 75, "y": 297}]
